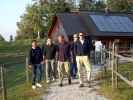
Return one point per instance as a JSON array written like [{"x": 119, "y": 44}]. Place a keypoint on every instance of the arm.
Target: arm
[
  {"x": 30, "y": 58},
  {"x": 44, "y": 51},
  {"x": 57, "y": 53}
]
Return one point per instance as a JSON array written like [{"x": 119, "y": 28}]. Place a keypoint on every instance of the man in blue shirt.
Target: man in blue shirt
[{"x": 35, "y": 61}]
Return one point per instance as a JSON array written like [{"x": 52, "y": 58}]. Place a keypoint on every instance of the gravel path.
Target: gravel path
[{"x": 72, "y": 92}]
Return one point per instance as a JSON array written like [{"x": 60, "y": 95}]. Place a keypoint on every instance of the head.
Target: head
[
  {"x": 34, "y": 43},
  {"x": 49, "y": 41},
  {"x": 75, "y": 37},
  {"x": 61, "y": 39},
  {"x": 81, "y": 35}
]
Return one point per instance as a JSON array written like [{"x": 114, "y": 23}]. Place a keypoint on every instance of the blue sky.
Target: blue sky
[{"x": 10, "y": 12}]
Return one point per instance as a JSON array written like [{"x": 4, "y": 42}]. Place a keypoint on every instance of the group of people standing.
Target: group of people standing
[{"x": 69, "y": 57}]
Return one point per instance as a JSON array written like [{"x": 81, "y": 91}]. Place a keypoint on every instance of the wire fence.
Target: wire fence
[{"x": 14, "y": 73}]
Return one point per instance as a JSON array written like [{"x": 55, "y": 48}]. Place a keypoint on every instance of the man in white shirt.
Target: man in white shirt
[{"x": 98, "y": 48}]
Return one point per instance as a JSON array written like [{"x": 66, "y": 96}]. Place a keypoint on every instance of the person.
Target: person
[
  {"x": 83, "y": 48},
  {"x": 35, "y": 61},
  {"x": 98, "y": 48},
  {"x": 49, "y": 52},
  {"x": 63, "y": 58},
  {"x": 73, "y": 64}
]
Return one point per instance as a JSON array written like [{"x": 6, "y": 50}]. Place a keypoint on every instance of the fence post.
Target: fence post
[
  {"x": 3, "y": 82},
  {"x": 27, "y": 70},
  {"x": 116, "y": 62},
  {"x": 112, "y": 63}
]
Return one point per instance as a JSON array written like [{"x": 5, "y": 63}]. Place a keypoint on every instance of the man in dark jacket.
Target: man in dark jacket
[
  {"x": 49, "y": 52},
  {"x": 63, "y": 57},
  {"x": 83, "y": 49},
  {"x": 73, "y": 49},
  {"x": 35, "y": 61}
]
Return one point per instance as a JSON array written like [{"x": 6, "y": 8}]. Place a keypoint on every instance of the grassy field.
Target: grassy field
[
  {"x": 17, "y": 88},
  {"x": 124, "y": 92}
]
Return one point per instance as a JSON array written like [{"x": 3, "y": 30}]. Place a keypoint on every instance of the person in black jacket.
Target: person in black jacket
[
  {"x": 73, "y": 49},
  {"x": 83, "y": 48},
  {"x": 49, "y": 53},
  {"x": 35, "y": 61}
]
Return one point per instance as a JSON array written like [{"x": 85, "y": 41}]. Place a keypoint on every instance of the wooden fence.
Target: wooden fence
[
  {"x": 3, "y": 82},
  {"x": 113, "y": 64}
]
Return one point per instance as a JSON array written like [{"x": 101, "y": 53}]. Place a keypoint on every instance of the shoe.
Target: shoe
[
  {"x": 48, "y": 81},
  {"x": 69, "y": 81},
  {"x": 60, "y": 84},
  {"x": 81, "y": 85},
  {"x": 38, "y": 85},
  {"x": 33, "y": 87},
  {"x": 89, "y": 84},
  {"x": 53, "y": 79}
]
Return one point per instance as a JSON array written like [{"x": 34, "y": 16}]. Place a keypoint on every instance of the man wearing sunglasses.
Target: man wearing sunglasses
[{"x": 83, "y": 49}]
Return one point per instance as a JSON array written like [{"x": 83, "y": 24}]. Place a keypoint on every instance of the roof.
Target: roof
[
  {"x": 71, "y": 22},
  {"x": 97, "y": 24}
]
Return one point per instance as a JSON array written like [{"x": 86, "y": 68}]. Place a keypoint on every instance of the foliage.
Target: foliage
[
  {"x": 2, "y": 38},
  {"x": 120, "y": 5},
  {"x": 37, "y": 18},
  {"x": 92, "y": 6}
]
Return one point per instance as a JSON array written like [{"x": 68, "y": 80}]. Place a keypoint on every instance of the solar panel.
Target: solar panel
[{"x": 113, "y": 23}]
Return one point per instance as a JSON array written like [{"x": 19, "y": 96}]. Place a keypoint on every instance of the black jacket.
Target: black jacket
[
  {"x": 49, "y": 52},
  {"x": 83, "y": 49},
  {"x": 35, "y": 56}
]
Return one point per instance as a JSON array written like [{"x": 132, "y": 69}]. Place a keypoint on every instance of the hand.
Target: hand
[
  {"x": 42, "y": 62},
  {"x": 30, "y": 66}
]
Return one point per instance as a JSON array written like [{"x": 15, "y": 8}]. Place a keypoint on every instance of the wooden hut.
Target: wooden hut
[{"x": 98, "y": 25}]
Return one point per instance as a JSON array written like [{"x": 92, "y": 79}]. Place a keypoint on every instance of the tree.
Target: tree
[
  {"x": 120, "y": 5},
  {"x": 90, "y": 5},
  {"x": 2, "y": 38},
  {"x": 38, "y": 17},
  {"x": 85, "y": 4}
]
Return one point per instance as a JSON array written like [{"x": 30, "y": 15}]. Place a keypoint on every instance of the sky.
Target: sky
[{"x": 10, "y": 12}]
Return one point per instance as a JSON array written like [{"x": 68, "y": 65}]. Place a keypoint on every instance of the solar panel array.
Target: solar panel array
[{"x": 113, "y": 23}]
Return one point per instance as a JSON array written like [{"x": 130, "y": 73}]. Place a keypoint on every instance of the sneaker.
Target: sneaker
[
  {"x": 60, "y": 85},
  {"x": 89, "y": 84},
  {"x": 81, "y": 85},
  {"x": 38, "y": 85},
  {"x": 33, "y": 87},
  {"x": 48, "y": 81},
  {"x": 53, "y": 79},
  {"x": 69, "y": 81}
]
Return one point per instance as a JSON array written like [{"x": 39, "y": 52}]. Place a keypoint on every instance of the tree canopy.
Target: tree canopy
[{"x": 37, "y": 18}]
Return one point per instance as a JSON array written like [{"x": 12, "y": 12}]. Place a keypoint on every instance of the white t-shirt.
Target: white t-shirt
[
  {"x": 98, "y": 46},
  {"x": 82, "y": 42}
]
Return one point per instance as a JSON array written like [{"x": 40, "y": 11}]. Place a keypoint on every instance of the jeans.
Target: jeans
[
  {"x": 98, "y": 57},
  {"x": 36, "y": 73},
  {"x": 50, "y": 69},
  {"x": 73, "y": 69}
]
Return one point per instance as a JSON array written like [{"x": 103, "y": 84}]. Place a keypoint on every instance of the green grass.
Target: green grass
[
  {"x": 17, "y": 87},
  {"x": 123, "y": 92}
]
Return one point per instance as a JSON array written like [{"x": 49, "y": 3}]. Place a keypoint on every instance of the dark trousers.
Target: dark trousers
[
  {"x": 36, "y": 73},
  {"x": 73, "y": 69}
]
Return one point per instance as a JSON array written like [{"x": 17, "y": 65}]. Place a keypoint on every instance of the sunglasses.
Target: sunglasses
[{"x": 81, "y": 35}]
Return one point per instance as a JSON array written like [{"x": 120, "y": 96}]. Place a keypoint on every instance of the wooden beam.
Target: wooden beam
[{"x": 124, "y": 79}]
